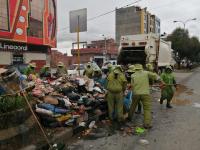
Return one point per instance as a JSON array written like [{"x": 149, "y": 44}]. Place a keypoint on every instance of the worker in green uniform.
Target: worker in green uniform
[
  {"x": 30, "y": 69},
  {"x": 116, "y": 85},
  {"x": 149, "y": 67},
  {"x": 140, "y": 87},
  {"x": 45, "y": 71},
  {"x": 129, "y": 72},
  {"x": 61, "y": 70},
  {"x": 110, "y": 67},
  {"x": 168, "y": 91},
  {"x": 88, "y": 70},
  {"x": 97, "y": 75}
]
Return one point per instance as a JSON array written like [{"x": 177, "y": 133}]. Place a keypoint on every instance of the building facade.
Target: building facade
[
  {"x": 134, "y": 20},
  {"x": 57, "y": 57},
  {"x": 97, "y": 49},
  {"x": 27, "y": 31}
]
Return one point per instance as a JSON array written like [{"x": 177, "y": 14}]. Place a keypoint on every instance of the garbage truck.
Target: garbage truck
[{"x": 145, "y": 48}]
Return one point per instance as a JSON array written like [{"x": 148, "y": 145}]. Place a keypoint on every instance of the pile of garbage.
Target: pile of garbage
[{"x": 69, "y": 101}]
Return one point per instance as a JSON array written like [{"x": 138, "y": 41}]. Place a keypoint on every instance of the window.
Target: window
[
  {"x": 51, "y": 19},
  {"x": 4, "y": 19},
  {"x": 36, "y": 18},
  {"x": 18, "y": 59}
]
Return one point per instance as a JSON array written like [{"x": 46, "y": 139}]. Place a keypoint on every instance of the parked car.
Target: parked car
[
  {"x": 113, "y": 62},
  {"x": 74, "y": 70}
]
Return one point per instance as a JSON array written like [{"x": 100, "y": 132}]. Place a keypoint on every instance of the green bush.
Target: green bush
[{"x": 12, "y": 103}]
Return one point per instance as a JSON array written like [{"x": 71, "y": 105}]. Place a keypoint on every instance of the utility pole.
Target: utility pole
[
  {"x": 105, "y": 48},
  {"x": 78, "y": 39}
]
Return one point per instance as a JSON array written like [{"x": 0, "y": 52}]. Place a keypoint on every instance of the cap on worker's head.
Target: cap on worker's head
[
  {"x": 96, "y": 69},
  {"x": 32, "y": 65},
  {"x": 47, "y": 66},
  {"x": 60, "y": 64},
  {"x": 169, "y": 67},
  {"x": 109, "y": 65},
  {"x": 138, "y": 67},
  {"x": 116, "y": 71},
  {"x": 131, "y": 69},
  {"x": 88, "y": 64},
  {"x": 149, "y": 66},
  {"x": 118, "y": 67}
]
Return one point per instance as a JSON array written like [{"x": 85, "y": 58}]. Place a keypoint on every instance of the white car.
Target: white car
[
  {"x": 105, "y": 65},
  {"x": 74, "y": 70}
]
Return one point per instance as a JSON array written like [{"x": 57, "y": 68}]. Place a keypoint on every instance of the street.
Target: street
[{"x": 173, "y": 129}]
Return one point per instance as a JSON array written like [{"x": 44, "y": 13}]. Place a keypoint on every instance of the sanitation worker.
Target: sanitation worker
[
  {"x": 45, "y": 71},
  {"x": 129, "y": 72},
  {"x": 141, "y": 90},
  {"x": 116, "y": 86},
  {"x": 61, "y": 70},
  {"x": 97, "y": 75},
  {"x": 88, "y": 70},
  {"x": 110, "y": 67},
  {"x": 128, "y": 93},
  {"x": 30, "y": 69},
  {"x": 149, "y": 67},
  {"x": 168, "y": 91}
]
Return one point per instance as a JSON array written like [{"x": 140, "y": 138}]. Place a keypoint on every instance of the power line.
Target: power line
[{"x": 106, "y": 13}]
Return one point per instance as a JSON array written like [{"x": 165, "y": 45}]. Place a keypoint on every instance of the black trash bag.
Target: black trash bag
[
  {"x": 81, "y": 89},
  {"x": 73, "y": 96},
  {"x": 66, "y": 90}
]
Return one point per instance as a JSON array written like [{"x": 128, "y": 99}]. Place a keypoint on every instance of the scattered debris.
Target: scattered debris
[
  {"x": 143, "y": 142},
  {"x": 92, "y": 124},
  {"x": 197, "y": 105},
  {"x": 139, "y": 131}
]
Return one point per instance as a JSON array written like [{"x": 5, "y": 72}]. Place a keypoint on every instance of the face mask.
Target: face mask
[
  {"x": 115, "y": 75},
  {"x": 168, "y": 71}
]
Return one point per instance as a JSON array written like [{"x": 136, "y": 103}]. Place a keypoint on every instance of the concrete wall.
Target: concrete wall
[
  {"x": 134, "y": 20},
  {"x": 128, "y": 22},
  {"x": 28, "y": 57},
  {"x": 157, "y": 25},
  {"x": 5, "y": 58}
]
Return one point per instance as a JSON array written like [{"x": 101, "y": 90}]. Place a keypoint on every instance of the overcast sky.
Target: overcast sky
[{"x": 167, "y": 11}]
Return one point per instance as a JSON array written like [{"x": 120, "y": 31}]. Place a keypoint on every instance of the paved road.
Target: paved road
[{"x": 174, "y": 129}]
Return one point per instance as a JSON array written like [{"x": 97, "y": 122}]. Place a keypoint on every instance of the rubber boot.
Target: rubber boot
[
  {"x": 161, "y": 101},
  {"x": 147, "y": 126},
  {"x": 169, "y": 105}
]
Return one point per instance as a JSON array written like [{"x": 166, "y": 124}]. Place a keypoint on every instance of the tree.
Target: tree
[
  {"x": 194, "y": 49},
  {"x": 184, "y": 46}
]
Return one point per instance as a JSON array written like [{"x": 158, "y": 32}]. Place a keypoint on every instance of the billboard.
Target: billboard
[{"x": 78, "y": 18}]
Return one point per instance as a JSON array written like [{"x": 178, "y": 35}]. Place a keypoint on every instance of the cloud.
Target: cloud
[{"x": 167, "y": 11}]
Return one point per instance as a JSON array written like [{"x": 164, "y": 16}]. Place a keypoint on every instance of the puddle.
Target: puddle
[
  {"x": 190, "y": 92},
  {"x": 183, "y": 89},
  {"x": 197, "y": 105},
  {"x": 181, "y": 102},
  {"x": 180, "y": 89}
]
